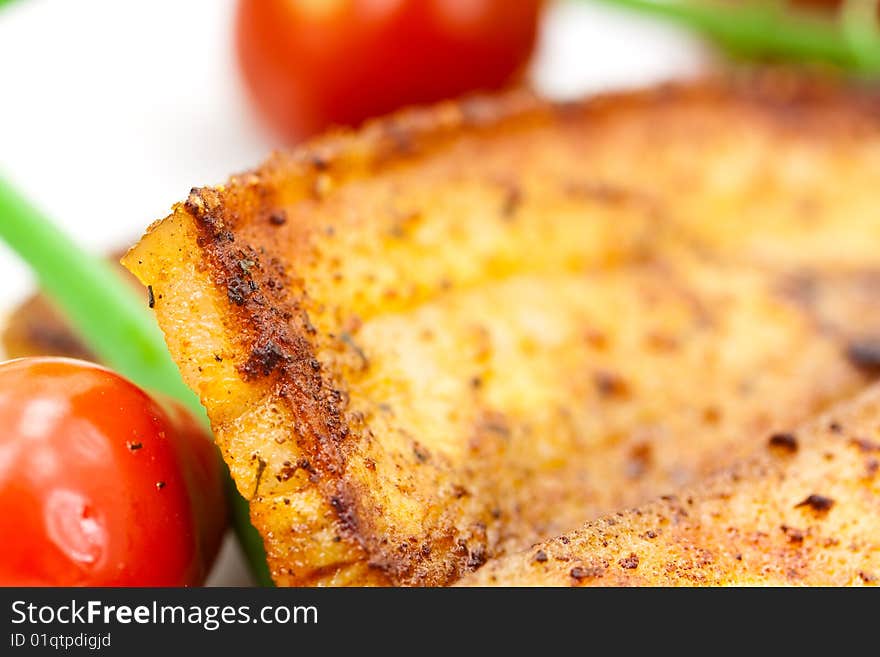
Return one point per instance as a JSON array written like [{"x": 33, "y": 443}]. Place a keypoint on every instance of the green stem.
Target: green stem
[
  {"x": 764, "y": 28},
  {"x": 102, "y": 309},
  {"x": 113, "y": 322}
]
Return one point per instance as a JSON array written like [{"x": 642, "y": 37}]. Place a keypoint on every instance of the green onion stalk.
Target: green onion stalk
[
  {"x": 850, "y": 39},
  {"x": 115, "y": 324}
]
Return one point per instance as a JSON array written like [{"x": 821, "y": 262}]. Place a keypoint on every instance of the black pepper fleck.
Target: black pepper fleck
[
  {"x": 784, "y": 442},
  {"x": 794, "y": 535},
  {"x": 582, "y": 572},
  {"x": 422, "y": 455},
  {"x": 818, "y": 503},
  {"x": 631, "y": 562},
  {"x": 278, "y": 218}
]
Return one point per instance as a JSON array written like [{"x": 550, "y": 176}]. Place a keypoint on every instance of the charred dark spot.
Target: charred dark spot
[
  {"x": 818, "y": 503},
  {"x": 865, "y": 354},
  {"x": 261, "y": 468},
  {"x": 134, "y": 446},
  {"x": 783, "y": 442},
  {"x": 866, "y": 577},
  {"x": 872, "y": 465},
  {"x": 477, "y": 557},
  {"x": 639, "y": 461},
  {"x": 629, "y": 563},
  {"x": 307, "y": 324},
  {"x": 580, "y": 573},
  {"x": 497, "y": 424},
  {"x": 197, "y": 205},
  {"x": 835, "y": 427},
  {"x": 278, "y": 218},
  {"x": 151, "y": 298},
  {"x": 319, "y": 162},
  {"x": 564, "y": 540},
  {"x": 794, "y": 535},
  {"x": 345, "y": 513},
  {"x": 611, "y": 385},
  {"x": 288, "y": 469},
  {"x": 263, "y": 359},
  {"x": 239, "y": 288},
  {"x": 650, "y": 534},
  {"x": 540, "y": 556},
  {"x": 421, "y": 453}
]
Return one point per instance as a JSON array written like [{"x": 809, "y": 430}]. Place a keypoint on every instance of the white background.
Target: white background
[{"x": 110, "y": 110}]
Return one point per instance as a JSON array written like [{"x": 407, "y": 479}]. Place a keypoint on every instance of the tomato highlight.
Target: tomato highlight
[
  {"x": 310, "y": 64},
  {"x": 101, "y": 485}
]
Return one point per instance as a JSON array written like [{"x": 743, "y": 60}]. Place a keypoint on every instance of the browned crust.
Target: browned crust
[
  {"x": 803, "y": 510},
  {"x": 258, "y": 294},
  {"x": 271, "y": 312}
]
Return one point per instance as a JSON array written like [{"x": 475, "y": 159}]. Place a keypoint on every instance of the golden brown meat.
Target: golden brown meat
[
  {"x": 805, "y": 510},
  {"x": 468, "y": 328}
]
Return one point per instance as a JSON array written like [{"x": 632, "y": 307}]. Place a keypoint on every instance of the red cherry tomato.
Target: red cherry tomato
[
  {"x": 99, "y": 484},
  {"x": 314, "y": 63}
]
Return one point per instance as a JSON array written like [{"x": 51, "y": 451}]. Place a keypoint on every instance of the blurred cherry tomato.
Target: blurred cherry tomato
[
  {"x": 313, "y": 63},
  {"x": 99, "y": 484}
]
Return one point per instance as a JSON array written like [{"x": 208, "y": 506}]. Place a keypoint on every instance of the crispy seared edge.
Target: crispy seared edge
[
  {"x": 266, "y": 314},
  {"x": 804, "y": 510},
  {"x": 264, "y": 310}
]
